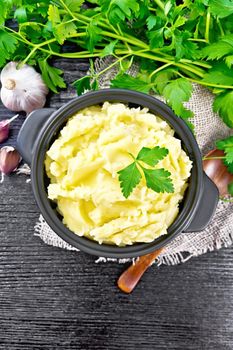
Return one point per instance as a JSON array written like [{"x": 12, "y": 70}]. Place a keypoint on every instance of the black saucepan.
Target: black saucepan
[{"x": 42, "y": 127}]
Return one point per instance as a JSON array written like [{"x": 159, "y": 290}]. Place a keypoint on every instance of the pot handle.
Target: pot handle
[
  {"x": 207, "y": 206},
  {"x": 30, "y": 130}
]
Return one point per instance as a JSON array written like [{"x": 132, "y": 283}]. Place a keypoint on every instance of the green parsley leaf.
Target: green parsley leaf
[
  {"x": 223, "y": 105},
  {"x": 219, "y": 74},
  {"x": 62, "y": 30},
  {"x": 51, "y": 76},
  {"x": 221, "y": 8},
  {"x": 93, "y": 35},
  {"x": 230, "y": 188},
  {"x": 152, "y": 156},
  {"x": 109, "y": 49},
  {"x": 226, "y": 145},
  {"x": 158, "y": 180},
  {"x": 184, "y": 47},
  {"x": 118, "y": 10},
  {"x": 21, "y": 14},
  {"x": 54, "y": 15},
  {"x": 83, "y": 84},
  {"x": 129, "y": 178},
  {"x": 156, "y": 38},
  {"x": 162, "y": 78},
  {"x": 167, "y": 7},
  {"x": 95, "y": 84},
  {"x": 74, "y": 5},
  {"x": 151, "y": 21},
  {"x": 3, "y": 12},
  {"x": 8, "y": 45},
  {"x": 128, "y": 7},
  {"x": 229, "y": 61},
  {"x": 176, "y": 92},
  {"x": 219, "y": 49},
  {"x": 125, "y": 81},
  {"x": 180, "y": 21}
]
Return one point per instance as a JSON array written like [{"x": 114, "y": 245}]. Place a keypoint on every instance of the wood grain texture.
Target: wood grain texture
[{"x": 51, "y": 298}]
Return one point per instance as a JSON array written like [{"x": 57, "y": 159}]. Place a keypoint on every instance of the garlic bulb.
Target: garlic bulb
[{"x": 22, "y": 89}]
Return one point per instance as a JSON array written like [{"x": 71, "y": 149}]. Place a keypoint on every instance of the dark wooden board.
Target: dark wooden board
[{"x": 51, "y": 298}]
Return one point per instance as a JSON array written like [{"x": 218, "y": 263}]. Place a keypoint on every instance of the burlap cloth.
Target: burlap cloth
[{"x": 208, "y": 128}]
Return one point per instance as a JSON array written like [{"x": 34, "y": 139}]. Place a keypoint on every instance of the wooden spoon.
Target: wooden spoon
[
  {"x": 130, "y": 277},
  {"x": 219, "y": 174}
]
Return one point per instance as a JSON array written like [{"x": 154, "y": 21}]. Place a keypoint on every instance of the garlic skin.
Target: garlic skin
[
  {"x": 9, "y": 159},
  {"x": 22, "y": 89},
  {"x": 5, "y": 128}
]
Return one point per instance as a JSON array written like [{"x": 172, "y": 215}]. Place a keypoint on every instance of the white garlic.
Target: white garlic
[{"x": 22, "y": 88}]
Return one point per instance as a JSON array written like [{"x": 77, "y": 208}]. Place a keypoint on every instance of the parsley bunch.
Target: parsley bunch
[{"x": 174, "y": 43}]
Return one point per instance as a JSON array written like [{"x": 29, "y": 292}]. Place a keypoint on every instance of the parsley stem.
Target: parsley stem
[
  {"x": 196, "y": 63},
  {"x": 160, "y": 4},
  {"x": 197, "y": 40},
  {"x": 220, "y": 26},
  {"x": 198, "y": 71},
  {"x": 160, "y": 59},
  {"x": 71, "y": 54},
  {"x": 133, "y": 157},
  {"x": 210, "y": 158},
  {"x": 196, "y": 30},
  {"x": 112, "y": 65},
  {"x": 132, "y": 41},
  {"x": 160, "y": 68},
  {"x": 28, "y": 56},
  {"x": 207, "y": 28},
  {"x": 109, "y": 25},
  {"x": 119, "y": 29},
  {"x": 201, "y": 82}
]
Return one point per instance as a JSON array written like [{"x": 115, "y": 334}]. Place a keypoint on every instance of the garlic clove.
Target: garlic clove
[
  {"x": 5, "y": 128},
  {"x": 9, "y": 159},
  {"x": 23, "y": 89}
]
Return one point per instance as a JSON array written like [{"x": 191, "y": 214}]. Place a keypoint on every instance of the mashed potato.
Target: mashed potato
[{"x": 82, "y": 165}]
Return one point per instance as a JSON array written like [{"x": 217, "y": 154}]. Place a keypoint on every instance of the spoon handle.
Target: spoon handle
[{"x": 130, "y": 277}]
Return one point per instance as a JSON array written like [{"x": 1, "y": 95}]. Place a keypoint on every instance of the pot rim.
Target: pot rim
[{"x": 54, "y": 124}]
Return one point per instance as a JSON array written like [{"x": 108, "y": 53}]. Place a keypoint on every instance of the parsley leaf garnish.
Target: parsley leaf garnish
[
  {"x": 156, "y": 179},
  {"x": 152, "y": 156},
  {"x": 129, "y": 178}
]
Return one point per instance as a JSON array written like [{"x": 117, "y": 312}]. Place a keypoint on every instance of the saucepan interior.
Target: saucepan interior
[{"x": 40, "y": 181}]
